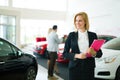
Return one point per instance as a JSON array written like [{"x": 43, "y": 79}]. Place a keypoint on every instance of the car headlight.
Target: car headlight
[
  {"x": 107, "y": 60},
  {"x": 110, "y": 59}
]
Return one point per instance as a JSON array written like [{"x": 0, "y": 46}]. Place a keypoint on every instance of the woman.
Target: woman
[{"x": 76, "y": 48}]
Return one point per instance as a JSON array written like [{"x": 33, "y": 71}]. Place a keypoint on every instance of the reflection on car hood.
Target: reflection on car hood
[
  {"x": 112, "y": 44},
  {"x": 110, "y": 52}
]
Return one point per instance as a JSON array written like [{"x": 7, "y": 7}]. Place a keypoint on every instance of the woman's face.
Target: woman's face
[{"x": 80, "y": 23}]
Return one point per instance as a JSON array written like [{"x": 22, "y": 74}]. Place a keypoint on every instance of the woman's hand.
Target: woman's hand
[
  {"x": 80, "y": 56},
  {"x": 91, "y": 51}
]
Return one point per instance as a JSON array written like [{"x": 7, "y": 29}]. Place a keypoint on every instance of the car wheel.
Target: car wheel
[
  {"x": 118, "y": 74},
  {"x": 30, "y": 74}
]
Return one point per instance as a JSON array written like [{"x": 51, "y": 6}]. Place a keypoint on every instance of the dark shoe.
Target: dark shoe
[{"x": 57, "y": 73}]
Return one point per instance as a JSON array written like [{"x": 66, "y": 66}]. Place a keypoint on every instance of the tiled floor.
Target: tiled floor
[{"x": 42, "y": 72}]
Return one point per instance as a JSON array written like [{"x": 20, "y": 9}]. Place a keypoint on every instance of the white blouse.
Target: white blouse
[{"x": 83, "y": 41}]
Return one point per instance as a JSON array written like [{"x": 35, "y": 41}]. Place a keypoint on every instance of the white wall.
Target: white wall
[{"x": 103, "y": 15}]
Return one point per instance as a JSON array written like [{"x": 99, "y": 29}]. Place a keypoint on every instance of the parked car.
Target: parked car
[
  {"x": 108, "y": 66},
  {"x": 15, "y": 64},
  {"x": 40, "y": 48},
  {"x": 60, "y": 58}
]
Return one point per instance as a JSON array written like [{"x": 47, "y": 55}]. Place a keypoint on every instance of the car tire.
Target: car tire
[
  {"x": 30, "y": 74},
  {"x": 118, "y": 74}
]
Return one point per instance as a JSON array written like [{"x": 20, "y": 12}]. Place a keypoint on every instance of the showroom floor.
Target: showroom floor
[{"x": 42, "y": 72}]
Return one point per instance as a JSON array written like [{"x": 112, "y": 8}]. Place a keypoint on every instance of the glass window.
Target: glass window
[
  {"x": 5, "y": 48},
  {"x": 113, "y": 44},
  {"x": 9, "y": 20},
  {"x": 15, "y": 50},
  {"x": 8, "y": 27},
  {"x": 56, "y": 5}
]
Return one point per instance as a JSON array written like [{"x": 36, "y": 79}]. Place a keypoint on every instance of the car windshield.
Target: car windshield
[{"x": 113, "y": 44}]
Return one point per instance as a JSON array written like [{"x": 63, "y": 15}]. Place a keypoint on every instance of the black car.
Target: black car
[{"x": 15, "y": 64}]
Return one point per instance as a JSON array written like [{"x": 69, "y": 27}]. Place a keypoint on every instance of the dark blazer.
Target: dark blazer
[{"x": 71, "y": 48}]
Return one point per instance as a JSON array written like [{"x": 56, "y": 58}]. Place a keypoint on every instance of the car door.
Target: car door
[{"x": 11, "y": 65}]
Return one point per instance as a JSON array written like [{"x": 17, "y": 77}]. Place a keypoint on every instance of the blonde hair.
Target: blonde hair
[
  {"x": 85, "y": 17},
  {"x": 49, "y": 30}
]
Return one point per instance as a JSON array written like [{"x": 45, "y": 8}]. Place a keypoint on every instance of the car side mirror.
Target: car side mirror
[{"x": 19, "y": 53}]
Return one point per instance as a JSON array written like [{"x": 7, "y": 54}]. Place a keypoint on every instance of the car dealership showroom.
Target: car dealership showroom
[{"x": 24, "y": 26}]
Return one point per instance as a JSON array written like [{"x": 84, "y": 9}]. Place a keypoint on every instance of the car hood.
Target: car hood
[
  {"x": 110, "y": 52},
  {"x": 61, "y": 46},
  {"x": 41, "y": 43}
]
